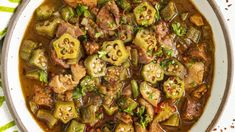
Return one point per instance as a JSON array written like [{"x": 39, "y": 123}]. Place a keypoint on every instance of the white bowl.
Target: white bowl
[{"x": 10, "y": 72}]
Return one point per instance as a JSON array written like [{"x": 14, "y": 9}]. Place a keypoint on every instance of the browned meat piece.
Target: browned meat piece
[
  {"x": 195, "y": 74},
  {"x": 200, "y": 51},
  {"x": 91, "y": 47},
  {"x": 42, "y": 96},
  {"x": 162, "y": 29},
  {"x": 78, "y": 72},
  {"x": 191, "y": 110},
  {"x": 155, "y": 127},
  {"x": 143, "y": 57},
  {"x": 200, "y": 91},
  {"x": 197, "y": 20},
  {"x": 92, "y": 28},
  {"x": 62, "y": 83},
  {"x": 72, "y": 3},
  {"x": 127, "y": 91},
  {"x": 168, "y": 43},
  {"x": 108, "y": 17},
  {"x": 126, "y": 118},
  {"x": 57, "y": 60},
  {"x": 89, "y": 3},
  {"x": 67, "y": 96},
  {"x": 64, "y": 27}
]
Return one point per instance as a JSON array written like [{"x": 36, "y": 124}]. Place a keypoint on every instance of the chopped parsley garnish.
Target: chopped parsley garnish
[
  {"x": 101, "y": 54},
  {"x": 178, "y": 29}
]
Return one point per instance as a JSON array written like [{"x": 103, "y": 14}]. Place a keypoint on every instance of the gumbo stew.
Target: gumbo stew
[{"x": 117, "y": 65}]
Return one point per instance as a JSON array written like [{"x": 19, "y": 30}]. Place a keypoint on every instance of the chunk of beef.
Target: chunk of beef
[
  {"x": 78, "y": 72},
  {"x": 62, "y": 83},
  {"x": 192, "y": 109},
  {"x": 124, "y": 117},
  {"x": 91, "y": 47},
  {"x": 72, "y": 3},
  {"x": 200, "y": 51},
  {"x": 168, "y": 43},
  {"x": 67, "y": 96},
  {"x": 144, "y": 57},
  {"x": 195, "y": 74},
  {"x": 42, "y": 96},
  {"x": 108, "y": 17},
  {"x": 92, "y": 28},
  {"x": 64, "y": 27},
  {"x": 58, "y": 61},
  {"x": 89, "y": 3},
  {"x": 162, "y": 29},
  {"x": 199, "y": 91}
]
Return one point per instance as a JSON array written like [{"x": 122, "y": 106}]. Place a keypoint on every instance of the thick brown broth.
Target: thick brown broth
[{"x": 28, "y": 84}]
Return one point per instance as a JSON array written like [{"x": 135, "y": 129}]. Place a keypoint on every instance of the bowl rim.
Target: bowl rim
[{"x": 24, "y": 3}]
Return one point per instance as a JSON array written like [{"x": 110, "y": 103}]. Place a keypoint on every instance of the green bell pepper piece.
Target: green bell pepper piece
[
  {"x": 169, "y": 12},
  {"x": 165, "y": 110},
  {"x": 124, "y": 4},
  {"x": 145, "y": 14},
  {"x": 88, "y": 114},
  {"x": 26, "y": 49},
  {"x": 65, "y": 111},
  {"x": 46, "y": 116},
  {"x": 193, "y": 34},
  {"x": 152, "y": 95},
  {"x": 39, "y": 59},
  {"x": 95, "y": 66},
  {"x": 152, "y": 73},
  {"x": 134, "y": 88},
  {"x": 116, "y": 53},
  {"x": 110, "y": 110},
  {"x": 173, "y": 121},
  {"x": 174, "y": 88},
  {"x": 48, "y": 27},
  {"x": 39, "y": 75},
  {"x": 127, "y": 104},
  {"x": 134, "y": 57},
  {"x": 76, "y": 127}
]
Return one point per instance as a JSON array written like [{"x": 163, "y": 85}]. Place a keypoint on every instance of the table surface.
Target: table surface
[{"x": 226, "y": 122}]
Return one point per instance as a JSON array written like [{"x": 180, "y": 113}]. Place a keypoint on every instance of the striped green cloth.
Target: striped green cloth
[{"x": 7, "y": 8}]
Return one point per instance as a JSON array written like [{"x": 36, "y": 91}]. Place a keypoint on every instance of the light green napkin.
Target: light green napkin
[{"x": 7, "y": 8}]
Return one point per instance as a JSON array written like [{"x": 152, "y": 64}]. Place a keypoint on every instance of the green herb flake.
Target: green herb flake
[
  {"x": 43, "y": 76},
  {"x": 178, "y": 29},
  {"x": 97, "y": 35},
  {"x": 157, "y": 15},
  {"x": 78, "y": 93},
  {"x": 101, "y": 54}
]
